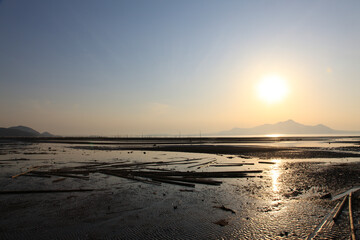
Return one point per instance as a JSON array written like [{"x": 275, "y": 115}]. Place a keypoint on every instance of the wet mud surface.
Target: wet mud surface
[
  {"x": 289, "y": 199},
  {"x": 262, "y": 152}
]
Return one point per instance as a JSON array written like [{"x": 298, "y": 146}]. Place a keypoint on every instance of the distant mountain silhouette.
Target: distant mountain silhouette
[
  {"x": 26, "y": 129},
  {"x": 46, "y": 134},
  {"x": 287, "y": 127},
  {"x": 22, "y": 131}
]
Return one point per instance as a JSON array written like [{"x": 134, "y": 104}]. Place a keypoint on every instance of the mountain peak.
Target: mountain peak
[
  {"x": 26, "y": 129},
  {"x": 290, "y": 121},
  {"x": 285, "y": 127},
  {"x": 21, "y": 131}
]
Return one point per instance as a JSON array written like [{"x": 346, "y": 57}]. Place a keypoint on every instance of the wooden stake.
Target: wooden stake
[{"x": 352, "y": 228}]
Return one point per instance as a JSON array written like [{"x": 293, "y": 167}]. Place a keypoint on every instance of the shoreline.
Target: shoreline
[{"x": 174, "y": 140}]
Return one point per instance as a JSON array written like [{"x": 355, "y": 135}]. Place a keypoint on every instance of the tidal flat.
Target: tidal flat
[{"x": 179, "y": 188}]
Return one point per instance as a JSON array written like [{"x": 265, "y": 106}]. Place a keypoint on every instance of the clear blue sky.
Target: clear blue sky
[{"x": 132, "y": 67}]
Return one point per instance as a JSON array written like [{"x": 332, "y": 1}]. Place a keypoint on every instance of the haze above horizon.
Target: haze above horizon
[{"x": 133, "y": 67}]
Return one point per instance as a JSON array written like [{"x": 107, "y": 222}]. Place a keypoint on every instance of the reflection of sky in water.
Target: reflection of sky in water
[
  {"x": 273, "y": 135},
  {"x": 293, "y": 143}
]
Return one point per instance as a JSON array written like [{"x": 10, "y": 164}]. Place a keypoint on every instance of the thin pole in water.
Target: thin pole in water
[{"x": 352, "y": 229}]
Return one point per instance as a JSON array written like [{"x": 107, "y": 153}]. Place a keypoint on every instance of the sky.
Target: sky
[{"x": 75, "y": 67}]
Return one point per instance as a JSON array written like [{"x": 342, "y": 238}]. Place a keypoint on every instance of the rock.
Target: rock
[
  {"x": 222, "y": 222},
  {"x": 284, "y": 234}
]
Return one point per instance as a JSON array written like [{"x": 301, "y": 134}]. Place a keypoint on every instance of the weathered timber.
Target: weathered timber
[
  {"x": 23, "y": 173},
  {"x": 58, "y": 180},
  {"x": 228, "y": 165},
  {"x": 202, "y": 164},
  {"x": 229, "y": 174},
  {"x": 164, "y": 180},
  {"x": 37, "y": 175},
  {"x": 69, "y": 176},
  {"x": 263, "y": 162},
  {"x": 128, "y": 176},
  {"x": 339, "y": 210},
  {"x": 192, "y": 180}
]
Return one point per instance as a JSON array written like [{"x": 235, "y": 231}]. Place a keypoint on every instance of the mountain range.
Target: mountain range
[
  {"x": 22, "y": 131},
  {"x": 286, "y": 127}
]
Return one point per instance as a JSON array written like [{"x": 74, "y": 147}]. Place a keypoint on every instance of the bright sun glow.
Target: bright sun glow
[{"x": 272, "y": 89}]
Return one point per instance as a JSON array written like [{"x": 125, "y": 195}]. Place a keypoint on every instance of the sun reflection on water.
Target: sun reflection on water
[{"x": 275, "y": 173}]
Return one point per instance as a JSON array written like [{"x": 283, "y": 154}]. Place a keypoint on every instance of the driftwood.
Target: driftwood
[
  {"x": 230, "y": 174},
  {"x": 339, "y": 210},
  {"x": 36, "y": 175},
  {"x": 192, "y": 180},
  {"x": 66, "y": 171},
  {"x": 15, "y": 159},
  {"x": 96, "y": 165},
  {"x": 323, "y": 223},
  {"x": 186, "y": 190},
  {"x": 70, "y": 176},
  {"x": 266, "y": 162},
  {"x": 146, "y": 172},
  {"x": 58, "y": 180},
  {"x": 231, "y": 164},
  {"x": 157, "y": 163},
  {"x": 23, "y": 173},
  {"x": 228, "y": 165},
  {"x": 334, "y": 212},
  {"x": 202, "y": 164},
  {"x": 128, "y": 176},
  {"x": 164, "y": 180},
  {"x": 201, "y": 181},
  {"x": 158, "y": 169}
]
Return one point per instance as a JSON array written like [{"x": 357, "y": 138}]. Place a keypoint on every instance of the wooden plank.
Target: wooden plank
[
  {"x": 193, "y": 180},
  {"x": 202, "y": 164},
  {"x": 127, "y": 176},
  {"x": 339, "y": 210},
  {"x": 163, "y": 180},
  {"x": 58, "y": 180},
  {"x": 263, "y": 162},
  {"x": 228, "y": 165},
  {"x": 228, "y": 174}
]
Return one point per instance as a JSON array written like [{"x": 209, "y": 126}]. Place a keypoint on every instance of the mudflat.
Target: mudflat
[{"x": 178, "y": 188}]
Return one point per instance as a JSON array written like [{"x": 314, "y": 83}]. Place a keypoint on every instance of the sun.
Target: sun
[{"x": 272, "y": 89}]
